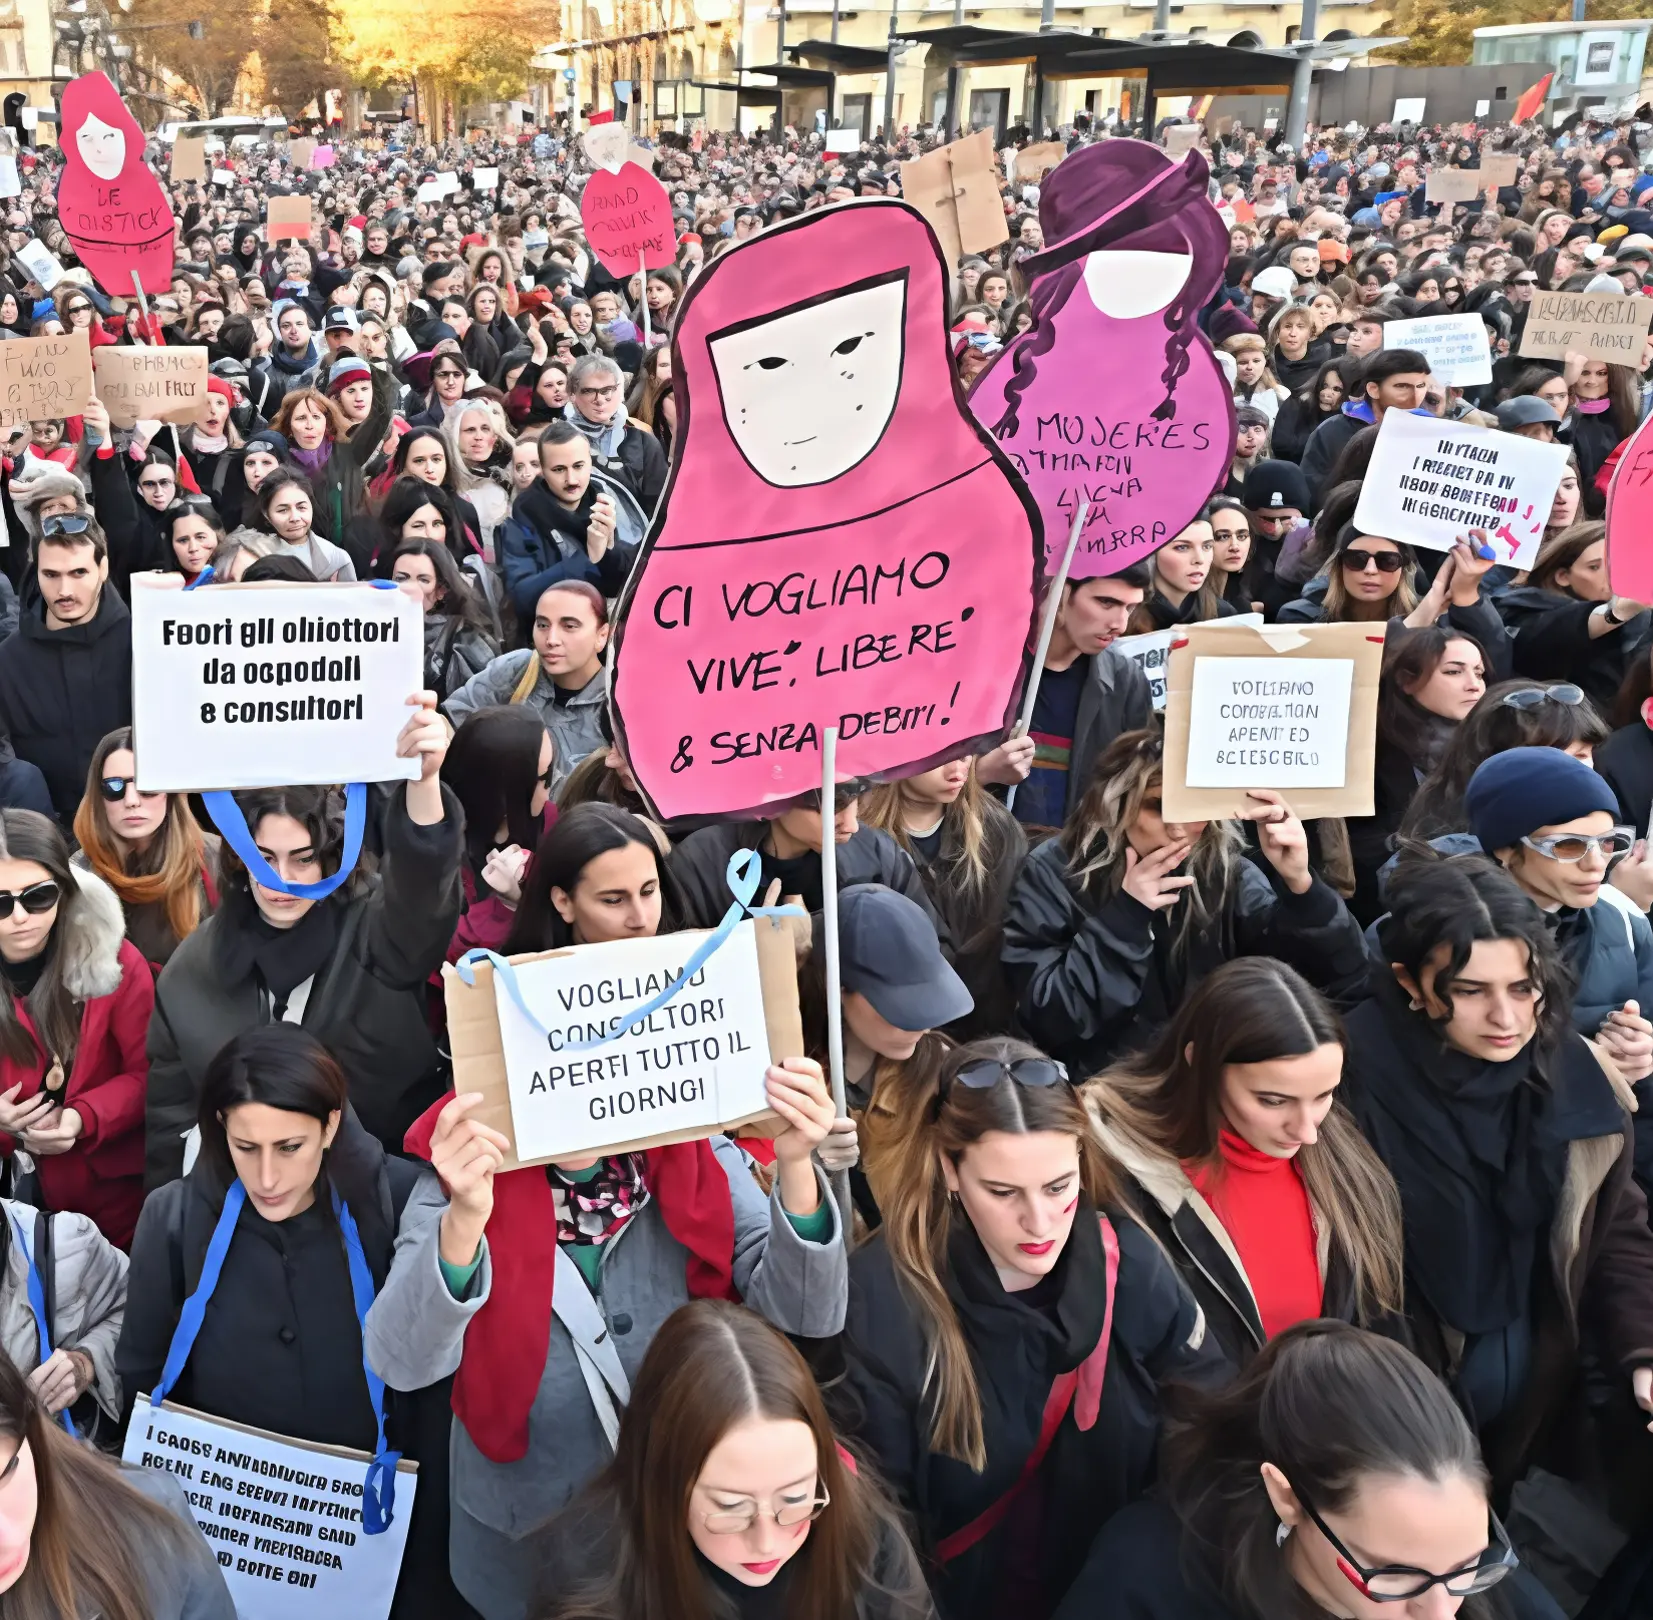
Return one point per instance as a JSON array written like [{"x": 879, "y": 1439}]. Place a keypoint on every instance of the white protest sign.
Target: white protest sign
[
  {"x": 38, "y": 260},
  {"x": 485, "y": 179},
  {"x": 1409, "y": 110},
  {"x": 223, "y": 177},
  {"x": 1454, "y": 345},
  {"x": 1149, "y": 652},
  {"x": 1283, "y": 721},
  {"x": 283, "y": 1518},
  {"x": 697, "y": 1062},
  {"x": 843, "y": 140},
  {"x": 258, "y": 685},
  {"x": 448, "y": 180},
  {"x": 430, "y": 191},
  {"x": 1430, "y": 482}
]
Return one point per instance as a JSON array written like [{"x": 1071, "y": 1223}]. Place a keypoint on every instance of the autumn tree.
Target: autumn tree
[
  {"x": 298, "y": 53},
  {"x": 1442, "y": 32},
  {"x": 208, "y": 59}
]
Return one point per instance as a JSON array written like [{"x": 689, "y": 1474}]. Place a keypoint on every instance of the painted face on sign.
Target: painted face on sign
[
  {"x": 102, "y": 146},
  {"x": 808, "y": 393},
  {"x": 1128, "y": 284}
]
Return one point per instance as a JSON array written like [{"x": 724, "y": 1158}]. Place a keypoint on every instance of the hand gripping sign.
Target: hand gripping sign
[
  {"x": 111, "y": 205},
  {"x": 1113, "y": 395},
  {"x": 839, "y": 544}
]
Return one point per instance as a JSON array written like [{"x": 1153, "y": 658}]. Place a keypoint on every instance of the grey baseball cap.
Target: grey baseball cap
[{"x": 888, "y": 951}]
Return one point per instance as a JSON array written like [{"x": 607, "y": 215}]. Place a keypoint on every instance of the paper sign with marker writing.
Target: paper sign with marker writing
[
  {"x": 256, "y": 685},
  {"x": 40, "y": 262},
  {"x": 1430, "y": 482},
  {"x": 1452, "y": 185},
  {"x": 151, "y": 385},
  {"x": 628, "y": 220},
  {"x": 485, "y": 179},
  {"x": 44, "y": 378},
  {"x": 430, "y": 191},
  {"x": 843, "y": 140},
  {"x": 1498, "y": 169},
  {"x": 1600, "y": 326},
  {"x": 288, "y": 216},
  {"x": 1454, "y": 345},
  {"x": 1151, "y": 653}
]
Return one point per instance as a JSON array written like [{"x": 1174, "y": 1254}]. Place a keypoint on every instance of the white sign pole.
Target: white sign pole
[
  {"x": 643, "y": 292},
  {"x": 834, "y": 989},
  {"x": 1053, "y": 603}
]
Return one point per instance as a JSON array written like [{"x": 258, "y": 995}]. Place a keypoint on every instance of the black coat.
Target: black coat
[
  {"x": 1018, "y": 1351},
  {"x": 1115, "y": 698},
  {"x": 1550, "y": 635},
  {"x": 367, "y": 1005},
  {"x": 1097, "y": 981},
  {"x": 1626, "y": 761},
  {"x": 62, "y": 691}
]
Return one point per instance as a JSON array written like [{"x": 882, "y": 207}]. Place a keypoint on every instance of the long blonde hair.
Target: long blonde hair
[
  {"x": 918, "y": 1216},
  {"x": 965, "y": 819}
]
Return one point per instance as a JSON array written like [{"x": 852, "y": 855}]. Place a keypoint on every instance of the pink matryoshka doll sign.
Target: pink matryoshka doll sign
[
  {"x": 112, "y": 206},
  {"x": 1113, "y": 395},
  {"x": 839, "y": 543}
]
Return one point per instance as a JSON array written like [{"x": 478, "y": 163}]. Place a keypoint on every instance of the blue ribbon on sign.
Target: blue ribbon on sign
[
  {"x": 202, "y": 578},
  {"x": 37, "y": 1309},
  {"x": 744, "y": 870},
  {"x": 379, "y": 1488},
  {"x": 227, "y": 818}
]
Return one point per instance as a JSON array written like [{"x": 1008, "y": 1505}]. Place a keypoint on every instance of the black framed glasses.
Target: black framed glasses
[
  {"x": 1530, "y": 697},
  {"x": 113, "y": 789},
  {"x": 1395, "y": 1583},
  {"x": 37, "y": 898},
  {"x": 982, "y": 1074}
]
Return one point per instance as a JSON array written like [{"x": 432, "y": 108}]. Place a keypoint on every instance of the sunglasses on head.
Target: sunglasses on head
[
  {"x": 114, "y": 788},
  {"x": 1358, "y": 561},
  {"x": 68, "y": 523},
  {"x": 1530, "y": 697},
  {"x": 37, "y": 898},
  {"x": 982, "y": 1074}
]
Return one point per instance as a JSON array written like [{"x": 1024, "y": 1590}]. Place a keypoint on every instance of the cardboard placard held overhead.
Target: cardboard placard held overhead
[
  {"x": 1034, "y": 162},
  {"x": 1599, "y": 326},
  {"x": 189, "y": 157},
  {"x": 1498, "y": 169},
  {"x": 44, "y": 379},
  {"x": 299, "y": 152},
  {"x": 608, "y": 1097},
  {"x": 151, "y": 385},
  {"x": 1294, "y": 712},
  {"x": 956, "y": 188},
  {"x": 40, "y": 262},
  {"x": 288, "y": 216},
  {"x": 1452, "y": 185}
]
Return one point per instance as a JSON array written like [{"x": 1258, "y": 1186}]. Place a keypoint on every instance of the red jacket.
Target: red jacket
[{"x": 102, "y": 1173}]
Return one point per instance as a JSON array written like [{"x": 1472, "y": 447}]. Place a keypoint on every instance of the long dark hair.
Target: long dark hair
[
  {"x": 711, "y": 1367},
  {"x": 405, "y": 497},
  {"x": 492, "y": 764},
  {"x": 26, "y": 835},
  {"x": 579, "y": 837},
  {"x": 319, "y": 810},
  {"x": 1330, "y": 1406},
  {"x": 1409, "y": 660},
  {"x": 457, "y": 601}
]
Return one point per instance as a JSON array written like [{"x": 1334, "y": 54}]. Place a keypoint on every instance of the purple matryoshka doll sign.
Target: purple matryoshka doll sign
[
  {"x": 840, "y": 543},
  {"x": 1113, "y": 395}
]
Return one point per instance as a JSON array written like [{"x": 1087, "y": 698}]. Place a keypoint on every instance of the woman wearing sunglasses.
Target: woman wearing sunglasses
[
  {"x": 1512, "y": 1148},
  {"x": 728, "y": 1494},
  {"x": 1335, "y": 1476},
  {"x": 1238, "y": 1157},
  {"x": 1566, "y": 624},
  {"x": 148, "y": 848},
  {"x": 1008, "y": 1332},
  {"x": 75, "y": 1002}
]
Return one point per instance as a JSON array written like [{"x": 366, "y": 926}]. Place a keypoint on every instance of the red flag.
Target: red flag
[
  {"x": 1529, "y": 104},
  {"x": 608, "y": 117}
]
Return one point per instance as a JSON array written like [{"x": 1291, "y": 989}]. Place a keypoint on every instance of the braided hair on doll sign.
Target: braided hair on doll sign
[
  {"x": 839, "y": 544},
  {"x": 1113, "y": 395}
]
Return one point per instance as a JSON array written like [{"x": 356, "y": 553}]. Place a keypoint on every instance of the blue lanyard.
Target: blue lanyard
[
  {"x": 379, "y": 1489},
  {"x": 37, "y": 1308},
  {"x": 227, "y": 818}
]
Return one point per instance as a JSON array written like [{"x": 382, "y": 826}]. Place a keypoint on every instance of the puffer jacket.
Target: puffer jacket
[
  {"x": 536, "y": 551},
  {"x": 576, "y": 727}
]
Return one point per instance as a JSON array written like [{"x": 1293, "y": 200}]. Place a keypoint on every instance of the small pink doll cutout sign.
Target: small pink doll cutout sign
[{"x": 839, "y": 544}]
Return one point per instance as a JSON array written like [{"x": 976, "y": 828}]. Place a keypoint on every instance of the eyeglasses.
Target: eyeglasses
[
  {"x": 156, "y": 484},
  {"x": 737, "y": 1521},
  {"x": 114, "y": 789},
  {"x": 982, "y": 1074},
  {"x": 78, "y": 309},
  {"x": 1385, "y": 562},
  {"x": 1395, "y": 1583},
  {"x": 1573, "y": 847},
  {"x": 1525, "y": 281},
  {"x": 36, "y": 899},
  {"x": 599, "y": 393},
  {"x": 68, "y": 523},
  {"x": 1530, "y": 697}
]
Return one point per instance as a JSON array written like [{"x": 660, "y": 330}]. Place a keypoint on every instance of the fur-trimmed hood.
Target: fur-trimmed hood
[{"x": 91, "y": 943}]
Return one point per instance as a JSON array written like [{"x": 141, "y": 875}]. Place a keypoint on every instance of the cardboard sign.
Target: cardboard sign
[
  {"x": 956, "y": 188},
  {"x": 695, "y": 1068},
  {"x": 299, "y": 153},
  {"x": 288, "y": 216},
  {"x": 1151, "y": 653},
  {"x": 1630, "y": 518},
  {"x": 44, "y": 379},
  {"x": 1181, "y": 138},
  {"x": 259, "y": 685},
  {"x": 1599, "y": 326},
  {"x": 40, "y": 262},
  {"x": 189, "y": 157},
  {"x": 1499, "y": 169},
  {"x": 1452, "y": 185},
  {"x": 149, "y": 384},
  {"x": 283, "y": 1517},
  {"x": 1430, "y": 482},
  {"x": 1034, "y": 162},
  {"x": 1088, "y": 402},
  {"x": 839, "y": 543},
  {"x": 1287, "y": 708},
  {"x": 1454, "y": 345}
]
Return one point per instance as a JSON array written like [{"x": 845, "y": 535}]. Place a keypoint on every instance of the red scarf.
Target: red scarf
[{"x": 508, "y": 1340}]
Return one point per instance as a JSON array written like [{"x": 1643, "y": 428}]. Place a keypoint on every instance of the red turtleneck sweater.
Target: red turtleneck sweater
[{"x": 1264, "y": 1209}]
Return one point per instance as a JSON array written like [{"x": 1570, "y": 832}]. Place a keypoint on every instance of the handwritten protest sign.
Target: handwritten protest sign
[
  {"x": 839, "y": 543},
  {"x": 429, "y": 191},
  {"x": 149, "y": 384},
  {"x": 628, "y": 219},
  {"x": 257, "y": 685},
  {"x": 1151, "y": 653},
  {"x": 288, "y": 216},
  {"x": 843, "y": 140},
  {"x": 1287, "y": 708},
  {"x": 1086, "y": 402},
  {"x": 956, "y": 188},
  {"x": 1630, "y": 518},
  {"x": 44, "y": 379},
  {"x": 485, "y": 179},
  {"x": 691, "y": 1068},
  {"x": 1498, "y": 169},
  {"x": 283, "y": 1518},
  {"x": 39, "y": 261},
  {"x": 189, "y": 157},
  {"x": 1600, "y": 326},
  {"x": 1430, "y": 482},
  {"x": 1454, "y": 345},
  {"x": 323, "y": 157},
  {"x": 1452, "y": 185}
]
